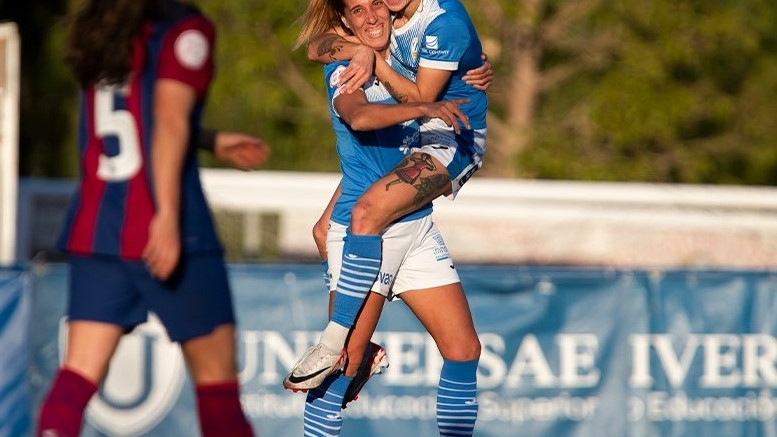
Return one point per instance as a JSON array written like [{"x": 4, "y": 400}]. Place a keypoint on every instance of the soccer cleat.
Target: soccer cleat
[
  {"x": 311, "y": 370},
  {"x": 374, "y": 362}
]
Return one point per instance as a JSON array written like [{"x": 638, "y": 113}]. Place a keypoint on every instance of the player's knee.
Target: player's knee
[
  {"x": 366, "y": 218},
  {"x": 472, "y": 351},
  {"x": 463, "y": 350},
  {"x": 319, "y": 233}
]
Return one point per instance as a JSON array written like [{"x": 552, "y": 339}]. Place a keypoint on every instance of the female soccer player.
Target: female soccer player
[
  {"x": 435, "y": 44},
  {"x": 373, "y": 134},
  {"x": 139, "y": 234}
]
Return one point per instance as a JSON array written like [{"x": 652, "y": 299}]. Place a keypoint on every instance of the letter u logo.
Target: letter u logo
[
  {"x": 131, "y": 376},
  {"x": 146, "y": 376}
]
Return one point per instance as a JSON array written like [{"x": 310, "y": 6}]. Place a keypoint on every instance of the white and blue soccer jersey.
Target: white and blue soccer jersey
[
  {"x": 367, "y": 156},
  {"x": 440, "y": 35}
]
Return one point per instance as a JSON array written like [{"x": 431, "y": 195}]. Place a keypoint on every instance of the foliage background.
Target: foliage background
[{"x": 658, "y": 91}]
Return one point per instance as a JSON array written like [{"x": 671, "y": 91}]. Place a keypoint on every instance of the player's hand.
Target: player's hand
[
  {"x": 480, "y": 78},
  {"x": 163, "y": 250},
  {"x": 449, "y": 112},
  {"x": 240, "y": 150},
  {"x": 359, "y": 70}
]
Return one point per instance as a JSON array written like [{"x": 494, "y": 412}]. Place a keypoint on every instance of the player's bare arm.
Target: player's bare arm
[
  {"x": 242, "y": 151},
  {"x": 327, "y": 48},
  {"x": 362, "y": 115},
  {"x": 321, "y": 227},
  {"x": 173, "y": 101},
  {"x": 333, "y": 46},
  {"x": 428, "y": 86},
  {"x": 480, "y": 78}
]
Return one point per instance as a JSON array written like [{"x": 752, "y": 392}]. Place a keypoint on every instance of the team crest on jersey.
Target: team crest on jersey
[
  {"x": 191, "y": 49},
  {"x": 414, "y": 48},
  {"x": 145, "y": 379}
]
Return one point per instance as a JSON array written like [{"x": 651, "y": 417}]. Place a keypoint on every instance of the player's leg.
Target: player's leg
[
  {"x": 415, "y": 181},
  {"x": 196, "y": 309},
  {"x": 323, "y": 407},
  {"x": 101, "y": 306},
  {"x": 441, "y": 166},
  {"x": 445, "y": 313},
  {"x": 329, "y": 355},
  {"x": 324, "y": 404},
  {"x": 90, "y": 348},
  {"x": 431, "y": 288},
  {"x": 388, "y": 199},
  {"x": 365, "y": 358},
  {"x": 211, "y": 362}
]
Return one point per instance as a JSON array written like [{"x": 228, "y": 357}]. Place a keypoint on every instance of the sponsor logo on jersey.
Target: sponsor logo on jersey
[
  {"x": 385, "y": 278},
  {"x": 441, "y": 251},
  {"x": 334, "y": 78},
  {"x": 432, "y": 42}
]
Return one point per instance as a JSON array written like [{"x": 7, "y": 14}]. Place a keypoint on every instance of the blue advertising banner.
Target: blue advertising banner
[
  {"x": 567, "y": 352},
  {"x": 14, "y": 320}
]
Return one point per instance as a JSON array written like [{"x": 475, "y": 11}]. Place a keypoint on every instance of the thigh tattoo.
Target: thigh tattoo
[{"x": 409, "y": 171}]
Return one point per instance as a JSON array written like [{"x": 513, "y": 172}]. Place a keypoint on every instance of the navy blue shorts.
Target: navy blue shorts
[{"x": 192, "y": 303}]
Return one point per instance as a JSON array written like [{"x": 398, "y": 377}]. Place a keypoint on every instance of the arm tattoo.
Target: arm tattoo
[
  {"x": 328, "y": 46},
  {"x": 401, "y": 98}
]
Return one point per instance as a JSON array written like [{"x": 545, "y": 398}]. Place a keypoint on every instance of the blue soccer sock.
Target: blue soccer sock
[
  {"x": 323, "y": 407},
  {"x": 361, "y": 264},
  {"x": 327, "y": 278},
  {"x": 457, "y": 405}
]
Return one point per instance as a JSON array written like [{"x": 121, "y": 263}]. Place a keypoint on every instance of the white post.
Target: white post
[{"x": 9, "y": 139}]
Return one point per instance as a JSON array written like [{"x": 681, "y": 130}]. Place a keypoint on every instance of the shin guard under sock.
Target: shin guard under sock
[
  {"x": 62, "y": 412},
  {"x": 221, "y": 414},
  {"x": 361, "y": 265},
  {"x": 457, "y": 405}
]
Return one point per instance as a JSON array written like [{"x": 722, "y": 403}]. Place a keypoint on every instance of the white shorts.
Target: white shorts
[
  {"x": 414, "y": 257},
  {"x": 461, "y": 154}
]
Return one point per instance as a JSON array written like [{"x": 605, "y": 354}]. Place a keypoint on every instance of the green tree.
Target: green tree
[
  {"x": 661, "y": 91},
  {"x": 651, "y": 91},
  {"x": 265, "y": 88}
]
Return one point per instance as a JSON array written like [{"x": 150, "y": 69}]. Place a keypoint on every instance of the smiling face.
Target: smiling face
[
  {"x": 400, "y": 5},
  {"x": 370, "y": 21}
]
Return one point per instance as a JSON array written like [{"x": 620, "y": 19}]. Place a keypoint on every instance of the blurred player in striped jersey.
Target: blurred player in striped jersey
[{"x": 139, "y": 235}]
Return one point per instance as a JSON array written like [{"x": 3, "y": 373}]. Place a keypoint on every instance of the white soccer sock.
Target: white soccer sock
[{"x": 334, "y": 336}]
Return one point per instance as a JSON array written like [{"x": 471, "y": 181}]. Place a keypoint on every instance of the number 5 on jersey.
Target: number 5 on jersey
[{"x": 118, "y": 123}]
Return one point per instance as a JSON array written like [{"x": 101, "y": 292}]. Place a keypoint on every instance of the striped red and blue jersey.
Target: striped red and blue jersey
[{"x": 111, "y": 211}]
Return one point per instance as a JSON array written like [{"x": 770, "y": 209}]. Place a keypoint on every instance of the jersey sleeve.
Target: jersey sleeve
[
  {"x": 332, "y": 74},
  {"x": 331, "y": 77},
  {"x": 444, "y": 43},
  {"x": 187, "y": 53}
]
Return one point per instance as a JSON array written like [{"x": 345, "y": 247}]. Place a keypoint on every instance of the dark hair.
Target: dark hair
[{"x": 101, "y": 34}]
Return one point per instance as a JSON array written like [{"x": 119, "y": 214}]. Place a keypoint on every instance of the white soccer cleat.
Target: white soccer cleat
[{"x": 316, "y": 364}]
